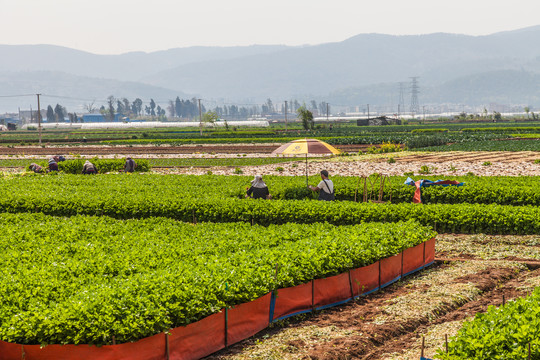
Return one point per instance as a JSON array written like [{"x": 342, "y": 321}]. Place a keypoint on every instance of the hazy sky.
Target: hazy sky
[{"x": 118, "y": 26}]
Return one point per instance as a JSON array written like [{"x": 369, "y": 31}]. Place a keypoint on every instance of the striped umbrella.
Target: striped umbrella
[{"x": 306, "y": 146}]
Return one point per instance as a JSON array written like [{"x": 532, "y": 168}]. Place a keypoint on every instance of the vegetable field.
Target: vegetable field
[
  {"x": 115, "y": 258},
  {"x": 86, "y": 279}
]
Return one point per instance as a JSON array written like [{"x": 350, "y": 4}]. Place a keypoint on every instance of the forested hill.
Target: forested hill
[{"x": 477, "y": 69}]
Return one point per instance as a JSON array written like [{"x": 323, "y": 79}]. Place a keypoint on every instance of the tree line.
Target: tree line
[{"x": 182, "y": 109}]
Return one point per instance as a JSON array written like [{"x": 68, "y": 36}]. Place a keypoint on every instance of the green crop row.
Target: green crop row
[
  {"x": 429, "y": 130},
  {"x": 504, "y": 129},
  {"x": 86, "y": 279},
  {"x": 417, "y": 140},
  {"x": 527, "y": 136},
  {"x": 214, "y": 199},
  {"x": 502, "y": 190},
  {"x": 500, "y": 333},
  {"x": 502, "y": 145}
]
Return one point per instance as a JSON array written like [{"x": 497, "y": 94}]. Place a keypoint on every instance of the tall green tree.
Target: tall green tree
[
  {"x": 306, "y": 116},
  {"x": 136, "y": 107},
  {"x": 59, "y": 111},
  {"x": 127, "y": 108},
  {"x": 50, "y": 114},
  {"x": 110, "y": 102},
  {"x": 178, "y": 107},
  {"x": 152, "y": 107},
  {"x": 120, "y": 107},
  {"x": 210, "y": 117},
  {"x": 171, "y": 109}
]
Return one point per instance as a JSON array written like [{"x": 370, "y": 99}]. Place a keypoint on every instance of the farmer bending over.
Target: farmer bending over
[
  {"x": 53, "y": 165},
  {"x": 130, "y": 165},
  {"x": 89, "y": 168},
  {"x": 35, "y": 168}
]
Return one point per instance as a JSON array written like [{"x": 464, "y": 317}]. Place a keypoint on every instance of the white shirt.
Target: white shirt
[{"x": 323, "y": 185}]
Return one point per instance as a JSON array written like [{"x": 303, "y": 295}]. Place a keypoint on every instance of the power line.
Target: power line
[{"x": 11, "y": 96}]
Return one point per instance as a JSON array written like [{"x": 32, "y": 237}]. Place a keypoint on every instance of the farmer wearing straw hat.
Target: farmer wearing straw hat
[
  {"x": 325, "y": 187},
  {"x": 258, "y": 189}
]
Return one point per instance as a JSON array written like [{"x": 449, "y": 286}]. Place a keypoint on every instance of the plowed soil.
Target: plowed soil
[{"x": 480, "y": 156}]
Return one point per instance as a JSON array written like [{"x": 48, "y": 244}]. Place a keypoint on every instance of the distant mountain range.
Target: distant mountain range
[{"x": 452, "y": 69}]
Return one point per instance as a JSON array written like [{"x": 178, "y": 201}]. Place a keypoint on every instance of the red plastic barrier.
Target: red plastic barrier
[
  {"x": 247, "y": 319},
  {"x": 293, "y": 300},
  {"x": 390, "y": 269},
  {"x": 365, "y": 279},
  {"x": 331, "y": 290},
  {"x": 198, "y": 339},
  {"x": 413, "y": 259},
  {"x": 10, "y": 351},
  {"x": 150, "y": 348},
  {"x": 430, "y": 251}
]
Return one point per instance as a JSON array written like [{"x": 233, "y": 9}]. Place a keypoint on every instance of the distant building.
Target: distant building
[
  {"x": 377, "y": 121},
  {"x": 9, "y": 122}
]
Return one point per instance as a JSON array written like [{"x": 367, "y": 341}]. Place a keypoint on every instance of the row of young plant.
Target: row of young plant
[
  {"x": 506, "y": 332},
  {"x": 86, "y": 279},
  {"x": 126, "y": 197},
  {"x": 517, "y": 144},
  {"x": 416, "y": 140},
  {"x": 502, "y": 190}
]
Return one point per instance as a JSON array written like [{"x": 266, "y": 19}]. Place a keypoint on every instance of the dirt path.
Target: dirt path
[
  {"x": 457, "y": 164},
  {"x": 390, "y": 324}
]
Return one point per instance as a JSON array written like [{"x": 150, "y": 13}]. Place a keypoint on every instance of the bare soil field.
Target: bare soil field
[
  {"x": 462, "y": 163},
  {"x": 478, "y": 271}
]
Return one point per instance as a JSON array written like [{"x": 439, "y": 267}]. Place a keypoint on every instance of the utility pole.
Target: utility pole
[
  {"x": 368, "y": 111},
  {"x": 414, "y": 95},
  {"x": 200, "y": 116},
  {"x": 327, "y": 110},
  {"x": 285, "y": 115},
  {"x": 424, "y": 110},
  {"x": 39, "y": 118}
]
